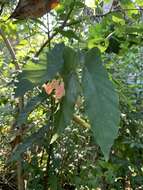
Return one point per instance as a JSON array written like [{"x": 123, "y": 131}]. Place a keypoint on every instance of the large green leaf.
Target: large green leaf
[
  {"x": 71, "y": 60},
  {"x": 101, "y": 101},
  {"x": 71, "y": 83},
  {"x": 37, "y": 72}
]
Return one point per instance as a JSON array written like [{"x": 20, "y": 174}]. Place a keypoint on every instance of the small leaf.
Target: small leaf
[
  {"x": 130, "y": 6},
  {"x": 69, "y": 34},
  {"x": 101, "y": 101}
]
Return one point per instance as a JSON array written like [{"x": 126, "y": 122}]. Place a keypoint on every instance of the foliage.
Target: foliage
[{"x": 89, "y": 136}]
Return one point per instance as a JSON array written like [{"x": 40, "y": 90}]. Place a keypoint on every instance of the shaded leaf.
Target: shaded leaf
[
  {"x": 70, "y": 60},
  {"x": 68, "y": 33},
  {"x": 31, "y": 105},
  {"x": 23, "y": 86},
  {"x": 101, "y": 101},
  {"x": 35, "y": 138}
]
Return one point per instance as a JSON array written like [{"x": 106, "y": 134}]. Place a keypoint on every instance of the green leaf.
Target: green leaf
[
  {"x": 31, "y": 105},
  {"x": 139, "y": 2},
  {"x": 23, "y": 86},
  {"x": 97, "y": 37},
  {"x": 130, "y": 6},
  {"x": 70, "y": 60},
  {"x": 101, "y": 101},
  {"x": 118, "y": 18},
  {"x": 35, "y": 138},
  {"x": 39, "y": 71},
  {"x": 53, "y": 182},
  {"x": 68, "y": 33},
  {"x": 102, "y": 44}
]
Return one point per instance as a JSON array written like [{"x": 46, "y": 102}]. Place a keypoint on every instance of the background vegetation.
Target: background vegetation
[{"x": 71, "y": 97}]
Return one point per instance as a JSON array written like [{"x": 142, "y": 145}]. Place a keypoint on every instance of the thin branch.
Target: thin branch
[
  {"x": 56, "y": 32},
  {"x": 20, "y": 178},
  {"x": 117, "y": 10},
  {"x": 13, "y": 56},
  {"x": 1, "y": 9},
  {"x": 10, "y": 49},
  {"x": 74, "y": 22}
]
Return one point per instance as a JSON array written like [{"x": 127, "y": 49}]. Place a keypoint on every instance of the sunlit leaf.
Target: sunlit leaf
[{"x": 39, "y": 71}]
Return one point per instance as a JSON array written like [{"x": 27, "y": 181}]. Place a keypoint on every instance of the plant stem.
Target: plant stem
[
  {"x": 20, "y": 178},
  {"x": 81, "y": 122}
]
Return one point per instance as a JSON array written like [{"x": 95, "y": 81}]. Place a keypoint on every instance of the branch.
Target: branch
[
  {"x": 117, "y": 10},
  {"x": 81, "y": 122},
  {"x": 20, "y": 178},
  {"x": 10, "y": 49},
  {"x": 1, "y": 9},
  {"x": 56, "y": 32}
]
